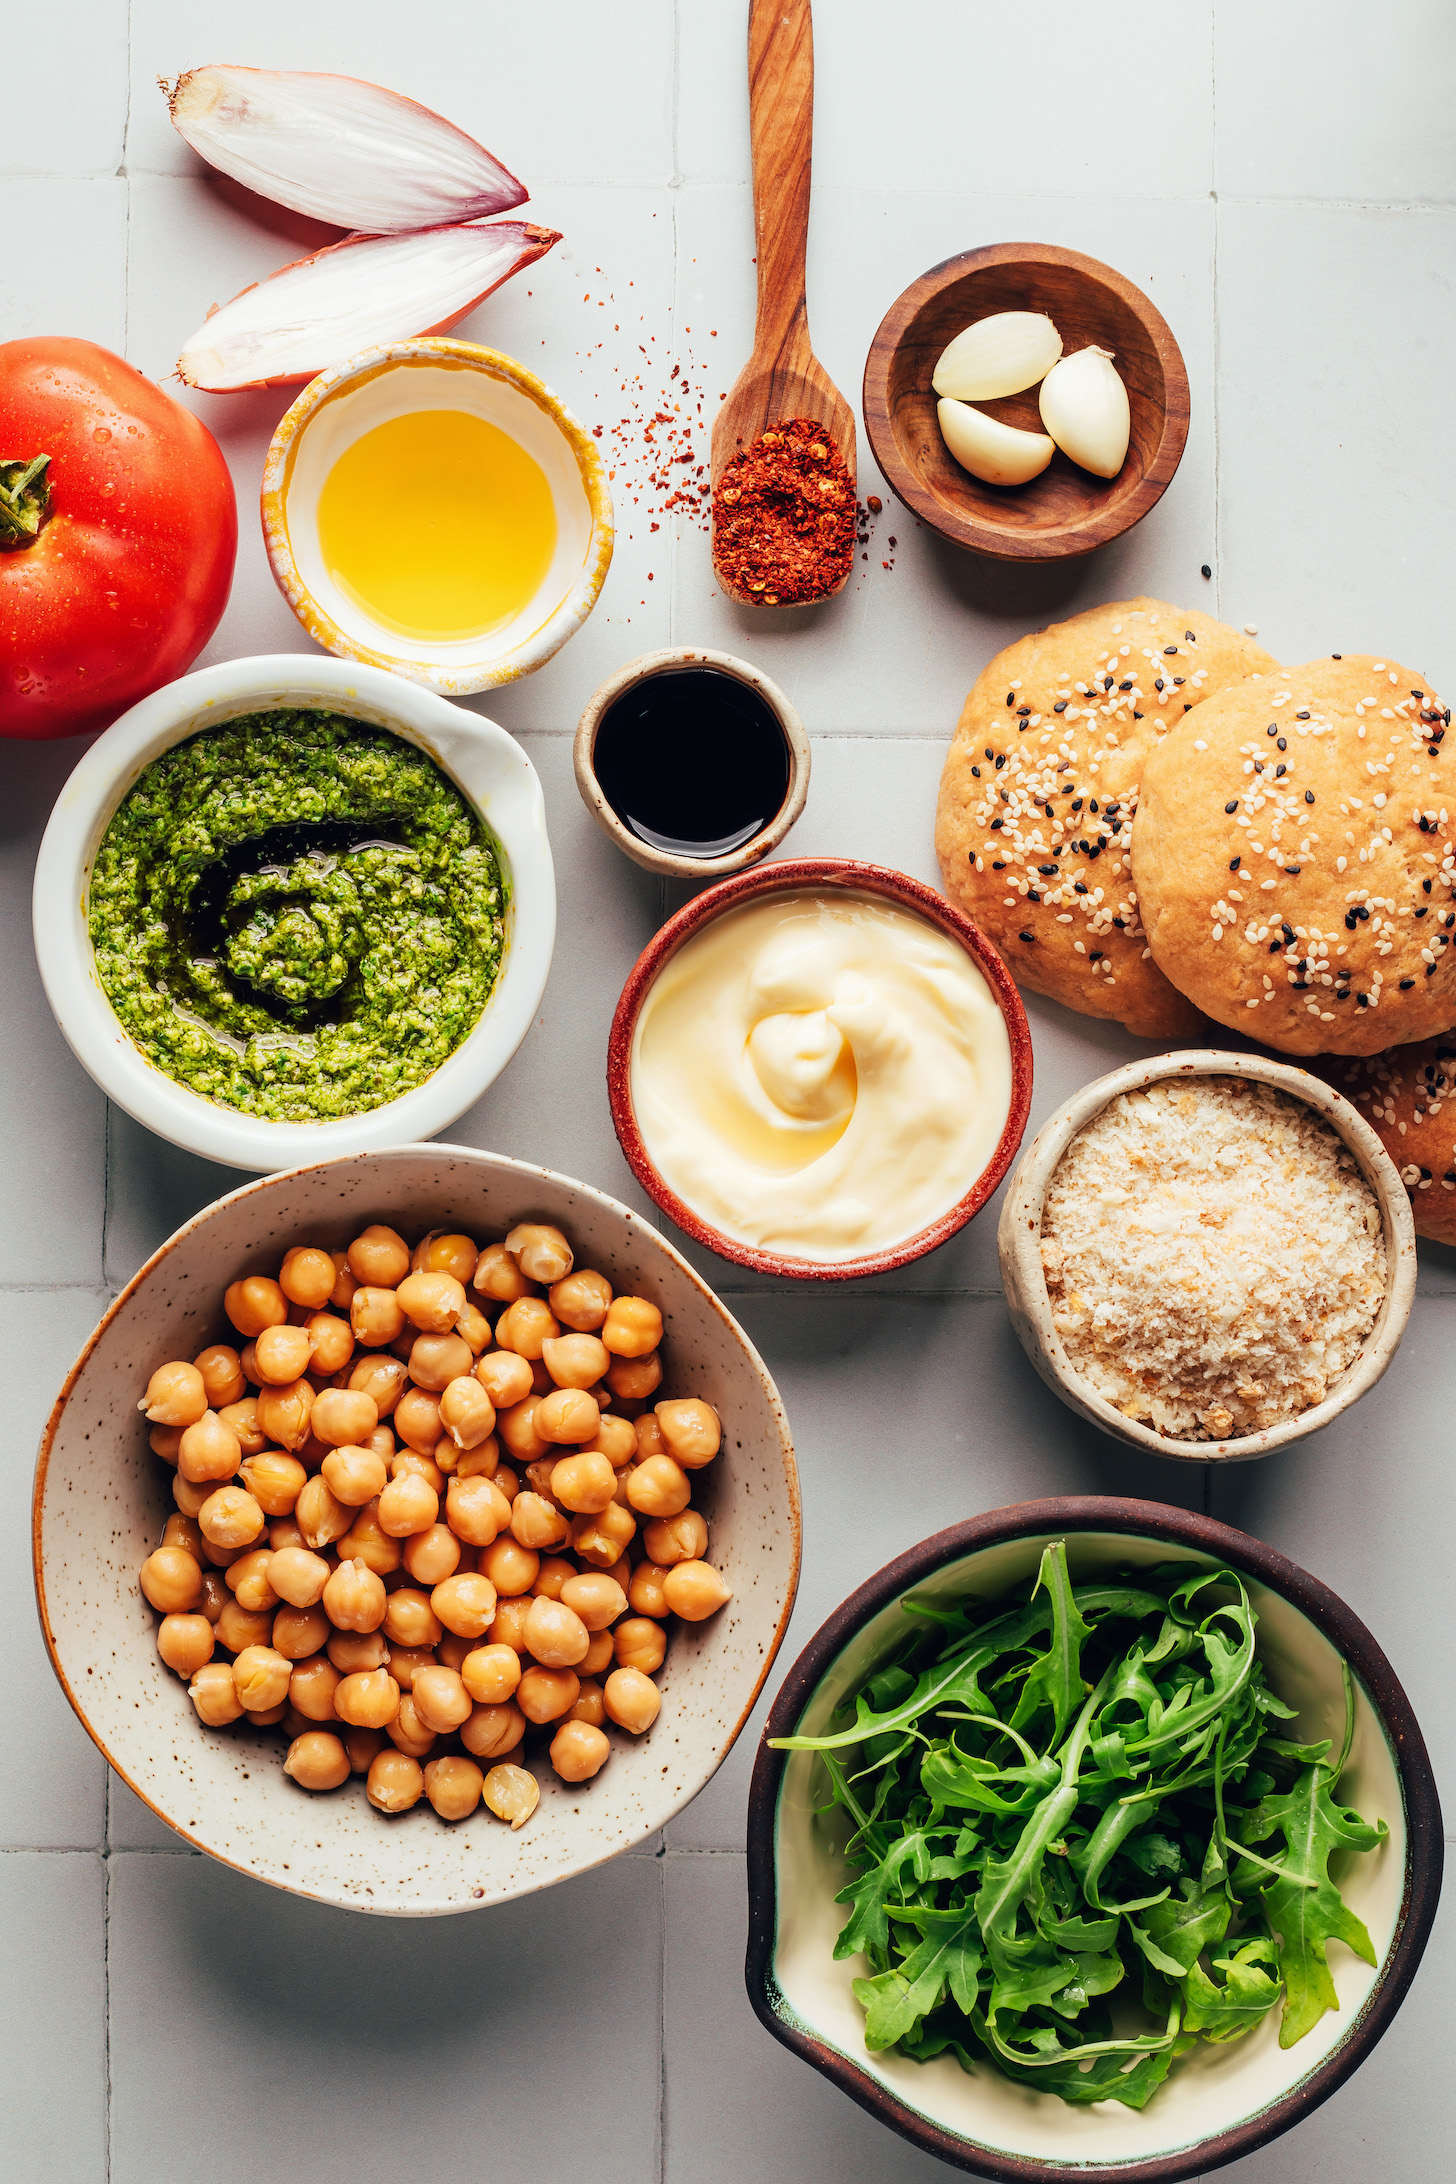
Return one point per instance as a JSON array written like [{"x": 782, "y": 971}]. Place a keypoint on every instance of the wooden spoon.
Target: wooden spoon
[{"x": 783, "y": 377}]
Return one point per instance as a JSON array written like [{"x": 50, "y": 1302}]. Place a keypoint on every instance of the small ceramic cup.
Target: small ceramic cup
[
  {"x": 1022, "y": 1274},
  {"x": 664, "y": 860},
  {"x": 395, "y": 380}
]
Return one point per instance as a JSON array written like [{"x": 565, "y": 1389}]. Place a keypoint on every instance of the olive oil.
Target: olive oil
[{"x": 438, "y": 525}]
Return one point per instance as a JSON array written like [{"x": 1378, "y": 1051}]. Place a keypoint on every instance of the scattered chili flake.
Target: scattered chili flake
[
  {"x": 874, "y": 504},
  {"x": 784, "y": 516}
]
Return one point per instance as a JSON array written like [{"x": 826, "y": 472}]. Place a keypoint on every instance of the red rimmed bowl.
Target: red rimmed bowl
[
  {"x": 1218, "y": 2104},
  {"x": 842, "y": 875}
]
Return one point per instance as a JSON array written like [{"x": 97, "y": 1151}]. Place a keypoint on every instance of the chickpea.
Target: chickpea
[
  {"x": 407, "y": 1733},
  {"x": 616, "y": 1440},
  {"x": 307, "y": 1276},
  {"x": 379, "y": 1256},
  {"x": 511, "y": 1568},
  {"x": 293, "y": 1724},
  {"x": 475, "y": 1511},
  {"x": 650, "y": 1438},
  {"x": 211, "y": 1692},
  {"x": 298, "y": 1633},
  {"x": 524, "y": 1326},
  {"x": 395, "y": 1782},
  {"x": 253, "y": 1304},
  {"x": 692, "y": 1430},
  {"x": 189, "y": 1498},
  {"x": 355, "y": 1651},
  {"x": 517, "y": 1429},
  {"x": 658, "y": 1488},
  {"x": 363, "y": 1747},
  {"x": 283, "y": 1354},
  {"x": 264, "y": 1717},
  {"x": 238, "y": 1627},
  {"x": 354, "y": 1476},
  {"x": 645, "y": 1593},
  {"x": 405, "y": 1662},
  {"x": 432, "y": 1555},
  {"x": 466, "y": 1604},
  {"x": 506, "y": 1483},
  {"x": 589, "y": 1706},
  {"x": 580, "y": 1300},
  {"x": 172, "y": 1581},
  {"x": 575, "y": 1361},
  {"x": 552, "y": 1575},
  {"x": 634, "y": 1378},
  {"x": 365, "y": 1542},
  {"x": 509, "y": 1625},
  {"x": 317, "y": 1761},
  {"x": 632, "y": 1328},
  {"x": 341, "y": 1296},
  {"x": 567, "y": 1415},
  {"x": 632, "y": 1700},
  {"x": 354, "y": 1598},
  {"x": 261, "y": 1678},
  {"x": 221, "y": 1558},
  {"x": 381, "y": 1440},
  {"x": 230, "y": 1518},
  {"x": 407, "y": 1462},
  {"x": 367, "y": 1699},
  {"x": 330, "y": 1342},
  {"x": 545, "y": 1694},
  {"x": 695, "y": 1590},
  {"x": 375, "y": 1317},
  {"x": 506, "y": 1378},
  {"x": 222, "y": 1375},
  {"x": 311, "y": 1687},
  {"x": 275, "y": 1481},
  {"x": 474, "y": 1329},
  {"x": 536, "y": 1523},
  {"x": 489, "y": 1732},
  {"x": 498, "y": 1277},
  {"x": 344, "y": 1416},
  {"x": 602, "y": 1539},
  {"x": 284, "y": 1413},
  {"x": 584, "y": 1484},
  {"x": 512, "y": 1794},
  {"x": 408, "y": 1504},
  {"x": 555, "y": 1635},
  {"x": 208, "y": 1450},
  {"x": 320, "y": 1516},
  {"x": 446, "y": 1251},
  {"x": 215, "y": 1595},
  {"x": 578, "y": 1751},
  {"x": 641, "y": 1644},
  {"x": 166, "y": 1442},
  {"x": 409, "y": 1620},
  {"x": 417, "y": 1421},
  {"x": 242, "y": 1421},
  {"x": 248, "y": 1582},
  {"x": 436, "y": 1360},
  {"x": 491, "y": 1673},
  {"x": 176, "y": 1396},
  {"x": 441, "y": 1699},
  {"x": 283, "y": 1532},
  {"x": 383, "y": 1378},
  {"x": 598, "y": 1600},
  {"x": 185, "y": 1532},
  {"x": 185, "y": 1643},
  {"x": 248, "y": 1363},
  {"x": 432, "y": 1302},
  {"x": 683, "y": 1538},
  {"x": 466, "y": 1411},
  {"x": 599, "y": 1655}
]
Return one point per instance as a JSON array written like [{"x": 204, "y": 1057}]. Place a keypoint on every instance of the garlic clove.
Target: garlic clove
[
  {"x": 339, "y": 149},
  {"x": 996, "y": 453},
  {"x": 997, "y": 355},
  {"x": 1084, "y": 407},
  {"x": 368, "y": 289}
]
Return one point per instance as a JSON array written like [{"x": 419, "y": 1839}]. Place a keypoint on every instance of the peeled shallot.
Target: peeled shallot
[
  {"x": 365, "y": 290},
  {"x": 339, "y": 149}
]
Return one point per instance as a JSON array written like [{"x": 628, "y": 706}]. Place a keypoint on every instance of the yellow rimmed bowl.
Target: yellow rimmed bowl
[{"x": 397, "y": 379}]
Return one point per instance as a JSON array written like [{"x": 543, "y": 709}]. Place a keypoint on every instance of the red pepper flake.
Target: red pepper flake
[{"x": 784, "y": 516}]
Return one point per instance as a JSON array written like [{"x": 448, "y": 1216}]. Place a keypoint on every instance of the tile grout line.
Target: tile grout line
[{"x": 1213, "y": 304}]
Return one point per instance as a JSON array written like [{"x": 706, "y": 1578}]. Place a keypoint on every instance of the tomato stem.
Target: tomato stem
[{"x": 25, "y": 499}]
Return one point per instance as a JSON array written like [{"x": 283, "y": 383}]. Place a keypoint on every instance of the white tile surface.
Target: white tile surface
[{"x": 1293, "y": 223}]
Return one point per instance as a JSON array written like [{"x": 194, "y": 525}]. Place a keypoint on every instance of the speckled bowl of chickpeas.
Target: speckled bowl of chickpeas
[{"x": 416, "y": 1530}]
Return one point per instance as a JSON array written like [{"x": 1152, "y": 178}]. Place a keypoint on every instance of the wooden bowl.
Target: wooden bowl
[
  {"x": 1218, "y": 2105},
  {"x": 1066, "y": 511},
  {"x": 1024, "y": 1278},
  {"x": 101, "y": 1498},
  {"x": 816, "y": 875}
]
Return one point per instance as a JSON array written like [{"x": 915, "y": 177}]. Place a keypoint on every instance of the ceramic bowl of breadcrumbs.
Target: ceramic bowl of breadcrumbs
[{"x": 1209, "y": 1255}]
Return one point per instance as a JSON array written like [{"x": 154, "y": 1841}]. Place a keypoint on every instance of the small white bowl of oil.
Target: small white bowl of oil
[{"x": 431, "y": 508}]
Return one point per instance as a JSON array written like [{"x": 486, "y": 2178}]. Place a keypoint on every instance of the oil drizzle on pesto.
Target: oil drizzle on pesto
[{"x": 296, "y": 915}]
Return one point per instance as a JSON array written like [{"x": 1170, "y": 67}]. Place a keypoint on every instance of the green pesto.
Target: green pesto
[{"x": 319, "y": 985}]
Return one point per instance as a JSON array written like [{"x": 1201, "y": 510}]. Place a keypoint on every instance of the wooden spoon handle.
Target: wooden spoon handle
[{"x": 781, "y": 115}]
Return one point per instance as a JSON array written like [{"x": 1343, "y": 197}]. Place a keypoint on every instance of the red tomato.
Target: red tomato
[{"x": 128, "y": 576}]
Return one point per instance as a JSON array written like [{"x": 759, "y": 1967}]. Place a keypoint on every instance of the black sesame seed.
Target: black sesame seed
[
  {"x": 1060, "y": 706},
  {"x": 1190, "y": 636},
  {"x": 1091, "y": 803},
  {"x": 1032, "y": 895},
  {"x": 1178, "y": 681},
  {"x": 1280, "y": 770},
  {"x": 1272, "y": 729},
  {"x": 1079, "y": 887},
  {"x": 1170, "y": 650},
  {"x": 1010, "y": 698},
  {"x": 1120, "y": 923},
  {"x": 996, "y": 825},
  {"x": 1026, "y": 936},
  {"x": 1259, "y": 766},
  {"x": 1337, "y": 655},
  {"x": 1233, "y": 806},
  {"x": 1287, "y": 930},
  {"x": 1292, "y": 869},
  {"x": 1136, "y": 714},
  {"x": 1048, "y": 870},
  {"x": 1425, "y": 887},
  {"x": 1125, "y": 685},
  {"x": 1206, "y": 571},
  {"x": 1107, "y": 682},
  {"x": 1234, "y": 865},
  {"x": 1000, "y": 760},
  {"x": 1301, "y": 716},
  {"x": 1159, "y": 683},
  {"x": 1422, "y": 910},
  {"x": 1023, "y": 710},
  {"x": 976, "y": 771},
  {"x": 1188, "y": 709},
  {"x": 1309, "y": 796},
  {"x": 1281, "y": 745},
  {"x": 1077, "y": 806},
  {"x": 1275, "y": 946},
  {"x": 1094, "y": 955},
  {"x": 1362, "y": 1000},
  {"x": 998, "y": 864}
]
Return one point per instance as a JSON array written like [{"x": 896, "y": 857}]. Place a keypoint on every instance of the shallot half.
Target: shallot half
[
  {"x": 339, "y": 149},
  {"x": 365, "y": 290}
]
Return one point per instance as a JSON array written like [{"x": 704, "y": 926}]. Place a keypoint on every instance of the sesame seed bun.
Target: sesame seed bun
[
  {"x": 1408, "y": 1097},
  {"x": 1294, "y": 862}
]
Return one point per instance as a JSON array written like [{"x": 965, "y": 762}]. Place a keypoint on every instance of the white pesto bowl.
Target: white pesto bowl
[
  {"x": 490, "y": 770},
  {"x": 393, "y": 380},
  {"x": 1018, "y": 1239},
  {"x": 101, "y": 1498}
]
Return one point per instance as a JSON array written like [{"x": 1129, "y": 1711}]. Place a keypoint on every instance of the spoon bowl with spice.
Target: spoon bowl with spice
[
  {"x": 1209, "y": 1255},
  {"x": 783, "y": 450}
]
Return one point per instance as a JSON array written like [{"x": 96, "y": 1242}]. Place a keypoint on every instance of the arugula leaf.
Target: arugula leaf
[
  {"x": 895, "y": 2000},
  {"x": 1249, "y": 1990},
  {"x": 1055, "y": 1680},
  {"x": 1308, "y": 1917}
]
